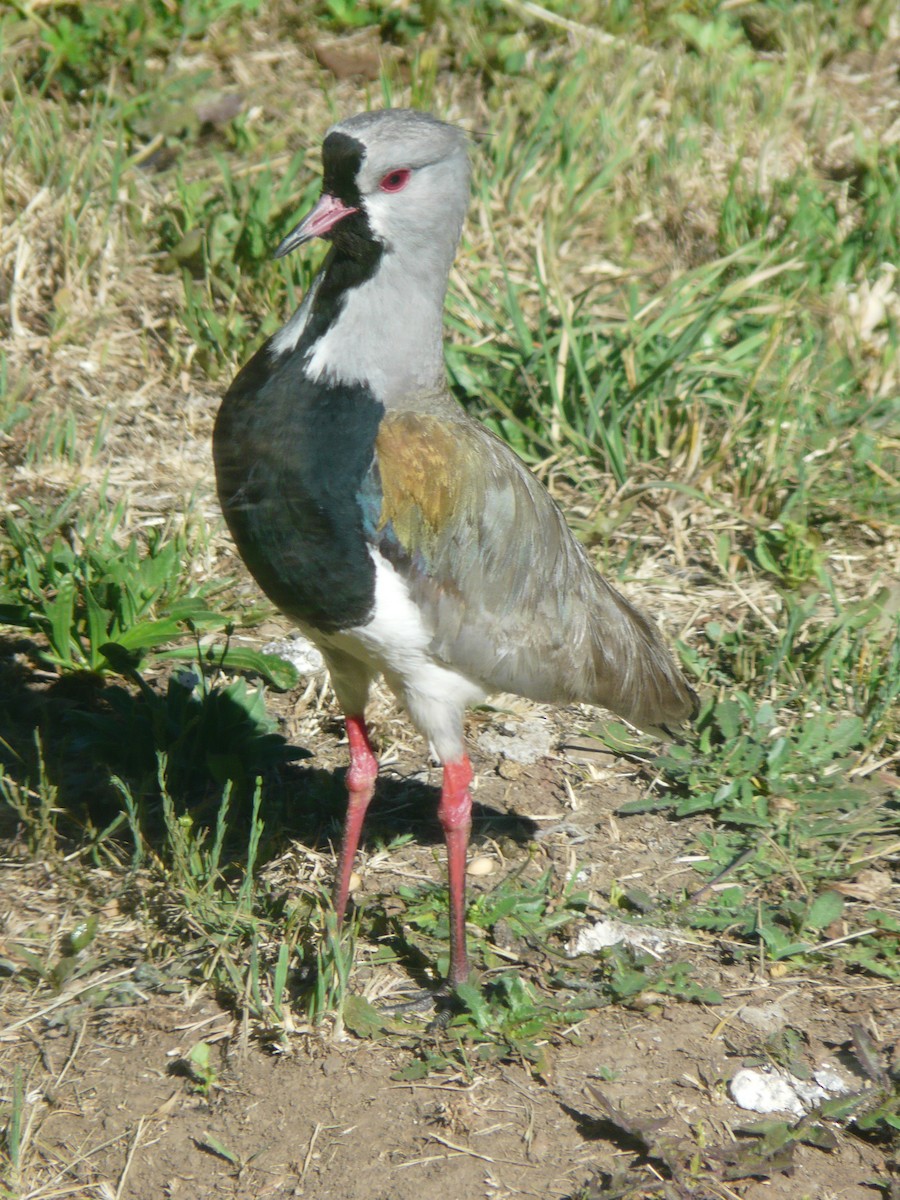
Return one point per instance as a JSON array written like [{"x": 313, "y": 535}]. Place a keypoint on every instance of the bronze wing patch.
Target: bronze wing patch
[{"x": 428, "y": 482}]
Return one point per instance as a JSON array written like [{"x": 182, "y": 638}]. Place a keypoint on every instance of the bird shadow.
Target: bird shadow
[
  {"x": 83, "y": 737},
  {"x": 408, "y": 804}
]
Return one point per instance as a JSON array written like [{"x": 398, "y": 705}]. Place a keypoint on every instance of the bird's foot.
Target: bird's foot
[
  {"x": 443, "y": 999},
  {"x": 419, "y": 1001}
]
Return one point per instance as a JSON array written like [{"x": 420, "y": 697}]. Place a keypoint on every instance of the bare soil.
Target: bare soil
[
  {"x": 112, "y": 1114},
  {"x": 109, "y": 1115}
]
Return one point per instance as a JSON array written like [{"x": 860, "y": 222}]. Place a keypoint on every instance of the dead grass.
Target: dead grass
[{"x": 101, "y": 390}]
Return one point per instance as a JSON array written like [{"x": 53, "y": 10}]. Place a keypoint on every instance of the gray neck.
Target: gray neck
[{"x": 389, "y": 332}]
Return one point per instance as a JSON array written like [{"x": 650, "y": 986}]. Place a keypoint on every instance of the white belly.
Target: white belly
[{"x": 395, "y": 642}]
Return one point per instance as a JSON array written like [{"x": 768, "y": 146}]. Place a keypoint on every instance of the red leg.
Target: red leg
[
  {"x": 455, "y": 813},
  {"x": 361, "y": 776}
]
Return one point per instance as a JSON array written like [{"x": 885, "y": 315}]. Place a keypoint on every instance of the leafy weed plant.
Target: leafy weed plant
[
  {"x": 74, "y": 49},
  {"x": 676, "y": 337},
  {"x": 784, "y": 784}
]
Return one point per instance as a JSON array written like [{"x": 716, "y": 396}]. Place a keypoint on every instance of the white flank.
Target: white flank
[{"x": 395, "y": 641}]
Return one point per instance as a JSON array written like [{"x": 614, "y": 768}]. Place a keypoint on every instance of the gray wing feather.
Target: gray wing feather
[{"x": 515, "y": 604}]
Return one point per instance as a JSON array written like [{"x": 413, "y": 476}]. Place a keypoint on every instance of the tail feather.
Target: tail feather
[{"x": 635, "y": 674}]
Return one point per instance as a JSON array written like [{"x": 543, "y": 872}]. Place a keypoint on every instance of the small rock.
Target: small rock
[
  {"x": 299, "y": 652},
  {"x": 767, "y": 1018},
  {"x": 647, "y": 1001},
  {"x": 522, "y": 742},
  {"x": 761, "y": 1092},
  {"x": 219, "y": 108},
  {"x": 610, "y": 932},
  {"x": 482, "y": 865},
  {"x": 831, "y": 1080},
  {"x": 345, "y": 61},
  {"x": 507, "y": 769},
  {"x": 332, "y": 1064},
  {"x": 771, "y": 1090}
]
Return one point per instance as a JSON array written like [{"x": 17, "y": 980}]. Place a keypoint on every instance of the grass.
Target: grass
[{"x": 677, "y": 299}]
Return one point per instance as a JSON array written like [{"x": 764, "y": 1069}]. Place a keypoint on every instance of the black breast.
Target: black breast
[{"x": 291, "y": 455}]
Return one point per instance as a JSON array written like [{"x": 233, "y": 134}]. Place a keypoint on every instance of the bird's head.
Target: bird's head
[{"x": 391, "y": 179}]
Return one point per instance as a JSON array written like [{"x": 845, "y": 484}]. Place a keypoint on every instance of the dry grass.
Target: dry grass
[{"x": 632, "y": 185}]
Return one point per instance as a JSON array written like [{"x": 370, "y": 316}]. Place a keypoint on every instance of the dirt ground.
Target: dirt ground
[{"x": 109, "y": 1114}]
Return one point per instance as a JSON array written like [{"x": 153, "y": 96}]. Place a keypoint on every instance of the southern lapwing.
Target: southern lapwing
[{"x": 396, "y": 532}]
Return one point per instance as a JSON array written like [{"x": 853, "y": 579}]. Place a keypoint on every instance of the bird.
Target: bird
[{"x": 394, "y": 530}]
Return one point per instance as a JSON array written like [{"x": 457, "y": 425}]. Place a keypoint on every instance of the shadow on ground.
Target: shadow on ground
[{"x": 82, "y": 738}]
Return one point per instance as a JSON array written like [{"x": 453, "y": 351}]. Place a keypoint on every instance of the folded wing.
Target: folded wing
[{"x": 508, "y": 593}]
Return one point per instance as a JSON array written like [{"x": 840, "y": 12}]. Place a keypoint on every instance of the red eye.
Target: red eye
[{"x": 395, "y": 181}]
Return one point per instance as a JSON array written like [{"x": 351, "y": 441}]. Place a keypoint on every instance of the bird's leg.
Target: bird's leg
[
  {"x": 361, "y": 776},
  {"x": 455, "y": 813}
]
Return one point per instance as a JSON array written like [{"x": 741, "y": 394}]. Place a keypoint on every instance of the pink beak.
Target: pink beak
[{"x": 326, "y": 214}]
